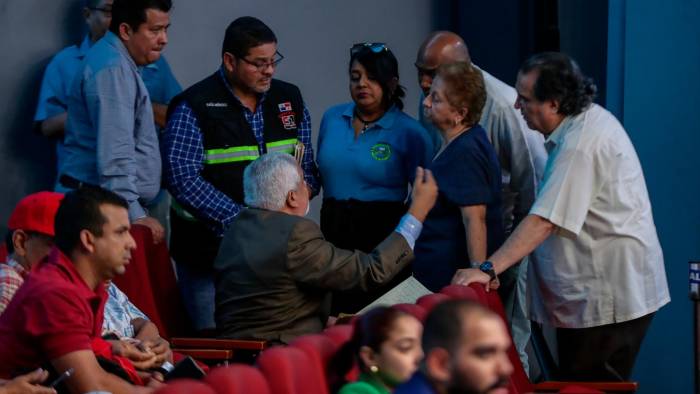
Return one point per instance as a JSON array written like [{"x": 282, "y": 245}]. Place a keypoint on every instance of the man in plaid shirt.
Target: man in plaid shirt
[
  {"x": 215, "y": 129},
  {"x": 29, "y": 240}
]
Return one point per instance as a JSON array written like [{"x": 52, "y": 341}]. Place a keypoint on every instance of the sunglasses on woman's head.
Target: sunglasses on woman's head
[{"x": 375, "y": 47}]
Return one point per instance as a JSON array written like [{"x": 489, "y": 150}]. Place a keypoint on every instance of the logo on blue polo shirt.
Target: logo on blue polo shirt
[{"x": 380, "y": 151}]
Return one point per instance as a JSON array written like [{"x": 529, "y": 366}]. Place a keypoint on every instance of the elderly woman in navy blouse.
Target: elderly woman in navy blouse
[
  {"x": 368, "y": 151},
  {"x": 465, "y": 226}
]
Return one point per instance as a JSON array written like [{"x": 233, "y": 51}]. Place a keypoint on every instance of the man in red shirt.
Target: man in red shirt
[
  {"x": 29, "y": 239},
  {"x": 56, "y": 314}
]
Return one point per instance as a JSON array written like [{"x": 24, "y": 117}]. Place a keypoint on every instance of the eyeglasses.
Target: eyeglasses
[
  {"x": 106, "y": 11},
  {"x": 262, "y": 65},
  {"x": 375, "y": 47}
]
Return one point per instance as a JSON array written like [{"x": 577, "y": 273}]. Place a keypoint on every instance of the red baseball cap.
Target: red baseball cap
[{"x": 36, "y": 212}]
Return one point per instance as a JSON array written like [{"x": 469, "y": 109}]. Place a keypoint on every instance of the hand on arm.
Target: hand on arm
[
  {"x": 424, "y": 194},
  {"x": 154, "y": 225},
  {"x": 27, "y": 384}
]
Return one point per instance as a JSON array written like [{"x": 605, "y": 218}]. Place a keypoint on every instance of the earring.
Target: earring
[{"x": 374, "y": 369}]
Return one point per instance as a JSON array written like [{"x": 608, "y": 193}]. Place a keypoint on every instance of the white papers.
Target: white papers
[{"x": 407, "y": 291}]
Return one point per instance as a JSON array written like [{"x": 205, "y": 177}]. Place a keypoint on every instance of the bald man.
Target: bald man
[{"x": 521, "y": 155}]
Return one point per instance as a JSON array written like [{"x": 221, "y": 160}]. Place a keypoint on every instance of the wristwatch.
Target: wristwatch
[{"x": 487, "y": 267}]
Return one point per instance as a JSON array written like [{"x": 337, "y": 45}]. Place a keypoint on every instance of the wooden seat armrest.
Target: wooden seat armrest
[
  {"x": 614, "y": 387},
  {"x": 225, "y": 344},
  {"x": 206, "y": 354}
]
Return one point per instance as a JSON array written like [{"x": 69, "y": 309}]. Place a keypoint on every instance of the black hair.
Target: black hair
[
  {"x": 80, "y": 210},
  {"x": 443, "y": 327},
  {"x": 245, "y": 33},
  {"x": 560, "y": 78},
  {"x": 133, "y": 12},
  {"x": 371, "y": 329},
  {"x": 383, "y": 67}
]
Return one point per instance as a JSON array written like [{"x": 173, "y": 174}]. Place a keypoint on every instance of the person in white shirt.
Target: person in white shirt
[
  {"x": 521, "y": 155},
  {"x": 605, "y": 278}
]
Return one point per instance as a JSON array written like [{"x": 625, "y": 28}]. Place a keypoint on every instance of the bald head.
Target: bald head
[{"x": 440, "y": 47}]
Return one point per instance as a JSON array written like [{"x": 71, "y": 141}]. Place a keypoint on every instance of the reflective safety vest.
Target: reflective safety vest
[{"x": 228, "y": 140}]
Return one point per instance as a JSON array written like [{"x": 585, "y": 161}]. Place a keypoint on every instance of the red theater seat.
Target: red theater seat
[
  {"x": 339, "y": 333},
  {"x": 320, "y": 349},
  {"x": 429, "y": 301},
  {"x": 462, "y": 293},
  {"x": 185, "y": 386},
  {"x": 237, "y": 379},
  {"x": 149, "y": 282},
  {"x": 416, "y": 311},
  {"x": 288, "y": 370}
]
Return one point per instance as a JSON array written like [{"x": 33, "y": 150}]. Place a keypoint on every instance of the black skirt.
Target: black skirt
[{"x": 362, "y": 225}]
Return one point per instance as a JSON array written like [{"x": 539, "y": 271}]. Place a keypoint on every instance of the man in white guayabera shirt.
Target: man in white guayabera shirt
[{"x": 605, "y": 278}]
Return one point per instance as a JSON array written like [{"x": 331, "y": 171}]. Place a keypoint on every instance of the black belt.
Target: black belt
[{"x": 72, "y": 183}]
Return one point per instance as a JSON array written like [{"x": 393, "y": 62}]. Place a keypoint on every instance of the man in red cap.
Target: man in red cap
[{"x": 29, "y": 240}]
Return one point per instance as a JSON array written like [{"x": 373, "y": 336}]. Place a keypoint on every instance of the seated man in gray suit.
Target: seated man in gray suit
[{"x": 274, "y": 270}]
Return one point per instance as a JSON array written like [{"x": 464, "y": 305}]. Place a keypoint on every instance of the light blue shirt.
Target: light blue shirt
[
  {"x": 58, "y": 77},
  {"x": 410, "y": 228},
  {"x": 160, "y": 81},
  {"x": 111, "y": 138},
  {"x": 379, "y": 164},
  {"x": 119, "y": 312}
]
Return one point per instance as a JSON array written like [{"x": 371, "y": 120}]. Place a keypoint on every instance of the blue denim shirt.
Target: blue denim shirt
[
  {"x": 57, "y": 79},
  {"x": 111, "y": 138}
]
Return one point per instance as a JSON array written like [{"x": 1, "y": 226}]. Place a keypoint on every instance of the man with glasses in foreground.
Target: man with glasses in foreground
[{"x": 215, "y": 129}]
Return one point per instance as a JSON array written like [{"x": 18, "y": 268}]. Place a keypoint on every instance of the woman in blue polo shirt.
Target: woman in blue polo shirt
[
  {"x": 465, "y": 225},
  {"x": 368, "y": 151}
]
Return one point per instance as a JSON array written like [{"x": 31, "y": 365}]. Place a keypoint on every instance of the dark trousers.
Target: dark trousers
[
  {"x": 603, "y": 353},
  {"x": 361, "y": 225}
]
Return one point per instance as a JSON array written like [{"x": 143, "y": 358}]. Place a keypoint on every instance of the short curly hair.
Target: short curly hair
[
  {"x": 464, "y": 88},
  {"x": 560, "y": 78}
]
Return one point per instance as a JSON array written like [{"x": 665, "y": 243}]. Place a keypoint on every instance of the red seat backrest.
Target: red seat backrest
[
  {"x": 429, "y": 301},
  {"x": 339, "y": 334},
  {"x": 320, "y": 349},
  {"x": 149, "y": 282},
  {"x": 414, "y": 310},
  {"x": 462, "y": 293},
  {"x": 3, "y": 252},
  {"x": 185, "y": 386},
  {"x": 237, "y": 379},
  {"x": 289, "y": 370}
]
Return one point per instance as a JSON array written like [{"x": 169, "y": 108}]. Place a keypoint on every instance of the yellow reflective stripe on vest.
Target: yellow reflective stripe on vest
[
  {"x": 229, "y": 155},
  {"x": 286, "y": 146}
]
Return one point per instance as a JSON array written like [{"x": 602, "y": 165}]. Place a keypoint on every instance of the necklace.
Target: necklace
[{"x": 366, "y": 124}]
